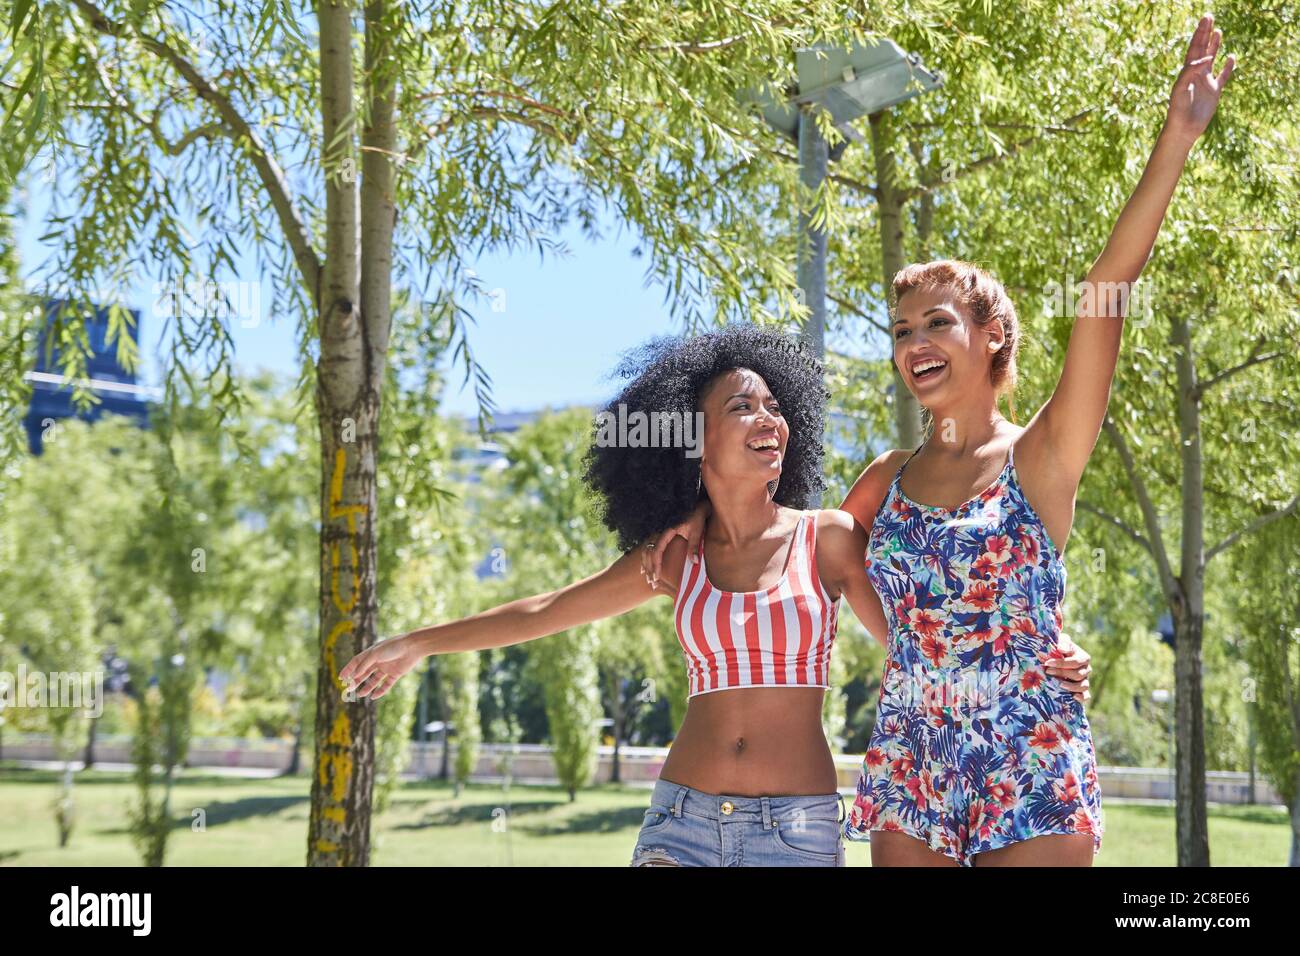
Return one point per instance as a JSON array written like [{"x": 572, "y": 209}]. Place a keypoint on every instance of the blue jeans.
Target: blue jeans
[{"x": 687, "y": 827}]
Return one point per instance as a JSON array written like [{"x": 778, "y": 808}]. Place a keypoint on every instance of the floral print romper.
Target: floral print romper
[{"x": 975, "y": 747}]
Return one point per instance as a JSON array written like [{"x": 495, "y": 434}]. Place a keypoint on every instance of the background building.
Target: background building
[{"x": 114, "y": 387}]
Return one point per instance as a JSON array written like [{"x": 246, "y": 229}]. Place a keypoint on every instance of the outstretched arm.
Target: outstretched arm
[
  {"x": 1071, "y": 420},
  {"x": 610, "y": 592}
]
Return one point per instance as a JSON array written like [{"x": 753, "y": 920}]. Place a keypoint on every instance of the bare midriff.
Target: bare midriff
[{"x": 754, "y": 742}]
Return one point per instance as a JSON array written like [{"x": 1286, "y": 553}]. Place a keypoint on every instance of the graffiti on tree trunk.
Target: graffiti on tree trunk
[{"x": 334, "y": 767}]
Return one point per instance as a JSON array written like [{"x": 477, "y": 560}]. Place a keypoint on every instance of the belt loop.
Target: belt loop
[
  {"x": 841, "y": 796},
  {"x": 679, "y": 800},
  {"x": 767, "y": 813}
]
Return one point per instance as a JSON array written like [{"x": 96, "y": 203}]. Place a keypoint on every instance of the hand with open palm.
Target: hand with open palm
[{"x": 1196, "y": 91}]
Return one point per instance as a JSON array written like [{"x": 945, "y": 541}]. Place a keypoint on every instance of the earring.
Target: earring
[{"x": 995, "y": 345}]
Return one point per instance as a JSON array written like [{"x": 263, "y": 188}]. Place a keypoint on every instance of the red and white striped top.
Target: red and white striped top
[{"x": 777, "y": 637}]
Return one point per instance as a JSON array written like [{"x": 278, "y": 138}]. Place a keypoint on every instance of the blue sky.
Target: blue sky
[
  {"x": 563, "y": 325},
  {"x": 560, "y": 326}
]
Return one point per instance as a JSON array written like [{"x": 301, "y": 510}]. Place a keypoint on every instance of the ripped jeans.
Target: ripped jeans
[{"x": 687, "y": 827}]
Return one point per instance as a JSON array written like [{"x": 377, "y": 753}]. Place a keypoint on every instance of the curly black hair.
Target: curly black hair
[{"x": 641, "y": 490}]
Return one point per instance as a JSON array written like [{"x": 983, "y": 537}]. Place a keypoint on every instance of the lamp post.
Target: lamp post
[{"x": 848, "y": 83}]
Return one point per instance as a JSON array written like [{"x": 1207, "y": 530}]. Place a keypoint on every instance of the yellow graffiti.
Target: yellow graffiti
[
  {"x": 343, "y": 607},
  {"x": 331, "y": 663},
  {"x": 340, "y": 740},
  {"x": 335, "y": 767},
  {"x": 350, "y": 512}
]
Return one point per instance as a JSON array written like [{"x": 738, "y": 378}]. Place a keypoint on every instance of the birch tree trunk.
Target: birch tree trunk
[{"x": 353, "y": 303}]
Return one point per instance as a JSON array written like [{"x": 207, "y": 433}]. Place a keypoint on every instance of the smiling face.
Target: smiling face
[
  {"x": 939, "y": 351},
  {"x": 745, "y": 433}
]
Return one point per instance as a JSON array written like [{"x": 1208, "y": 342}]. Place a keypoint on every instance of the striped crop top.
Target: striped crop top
[{"x": 777, "y": 637}]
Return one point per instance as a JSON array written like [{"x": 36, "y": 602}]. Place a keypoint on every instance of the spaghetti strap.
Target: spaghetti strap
[
  {"x": 898, "y": 474},
  {"x": 799, "y": 542}
]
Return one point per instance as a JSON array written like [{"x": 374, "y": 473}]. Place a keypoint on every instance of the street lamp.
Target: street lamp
[{"x": 848, "y": 82}]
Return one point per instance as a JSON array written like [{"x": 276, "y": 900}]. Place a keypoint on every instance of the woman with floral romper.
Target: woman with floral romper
[{"x": 975, "y": 758}]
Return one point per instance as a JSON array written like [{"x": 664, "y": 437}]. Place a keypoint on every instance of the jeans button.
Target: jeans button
[{"x": 727, "y": 807}]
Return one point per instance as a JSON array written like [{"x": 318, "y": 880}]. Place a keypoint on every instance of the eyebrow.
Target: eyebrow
[
  {"x": 934, "y": 308},
  {"x": 743, "y": 395}
]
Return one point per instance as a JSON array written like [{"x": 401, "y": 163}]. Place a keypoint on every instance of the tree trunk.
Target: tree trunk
[
  {"x": 1189, "y": 617},
  {"x": 89, "y": 760},
  {"x": 67, "y": 808},
  {"x": 889, "y": 202},
  {"x": 444, "y": 715},
  {"x": 295, "y": 758},
  {"x": 1252, "y": 747},
  {"x": 619, "y": 712},
  {"x": 1295, "y": 821},
  {"x": 353, "y": 303},
  {"x": 345, "y": 729},
  {"x": 422, "y": 711},
  {"x": 342, "y": 786},
  {"x": 1192, "y": 833},
  {"x": 1294, "y": 709},
  {"x": 812, "y": 241}
]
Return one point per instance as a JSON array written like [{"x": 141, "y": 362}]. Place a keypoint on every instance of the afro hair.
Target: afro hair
[{"x": 643, "y": 490}]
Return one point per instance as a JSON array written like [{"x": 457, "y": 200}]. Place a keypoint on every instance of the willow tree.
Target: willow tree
[
  {"x": 550, "y": 536},
  {"x": 358, "y": 147},
  {"x": 1266, "y": 611},
  {"x": 50, "y": 571}
]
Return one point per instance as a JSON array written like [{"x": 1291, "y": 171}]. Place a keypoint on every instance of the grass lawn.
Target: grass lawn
[{"x": 264, "y": 822}]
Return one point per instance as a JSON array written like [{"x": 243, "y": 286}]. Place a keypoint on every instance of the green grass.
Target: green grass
[{"x": 264, "y": 822}]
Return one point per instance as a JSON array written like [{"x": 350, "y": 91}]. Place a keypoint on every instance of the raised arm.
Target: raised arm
[
  {"x": 608, "y": 593},
  {"x": 1068, "y": 425}
]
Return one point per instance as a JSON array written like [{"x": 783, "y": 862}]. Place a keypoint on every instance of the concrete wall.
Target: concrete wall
[{"x": 531, "y": 763}]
